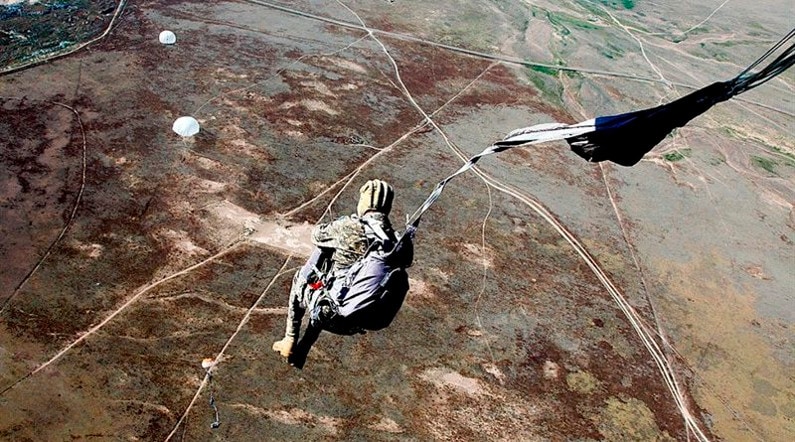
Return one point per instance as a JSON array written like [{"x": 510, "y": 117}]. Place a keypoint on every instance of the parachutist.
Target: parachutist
[{"x": 355, "y": 280}]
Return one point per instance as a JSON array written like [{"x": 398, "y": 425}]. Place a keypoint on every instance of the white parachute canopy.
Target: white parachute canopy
[
  {"x": 168, "y": 38},
  {"x": 186, "y": 126}
]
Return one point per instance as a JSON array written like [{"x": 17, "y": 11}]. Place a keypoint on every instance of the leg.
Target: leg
[
  {"x": 298, "y": 357},
  {"x": 296, "y": 306},
  {"x": 299, "y": 299}
]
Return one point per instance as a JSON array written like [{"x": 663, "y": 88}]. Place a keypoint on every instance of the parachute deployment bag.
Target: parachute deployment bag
[{"x": 375, "y": 286}]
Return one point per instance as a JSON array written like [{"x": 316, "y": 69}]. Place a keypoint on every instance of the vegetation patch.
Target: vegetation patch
[
  {"x": 573, "y": 74},
  {"x": 677, "y": 155},
  {"x": 616, "y": 4},
  {"x": 733, "y": 43},
  {"x": 565, "y": 21},
  {"x": 716, "y": 161},
  {"x": 682, "y": 37},
  {"x": 789, "y": 158},
  {"x": 582, "y": 382},
  {"x": 562, "y": 22},
  {"x": 768, "y": 164},
  {"x": 37, "y": 29},
  {"x": 714, "y": 52},
  {"x": 549, "y": 87},
  {"x": 611, "y": 51},
  {"x": 597, "y": 9},
  {"x": 630, "y": 419},
  {"x": 545, "y": 70},
  {"x": 516, "y": 12}
]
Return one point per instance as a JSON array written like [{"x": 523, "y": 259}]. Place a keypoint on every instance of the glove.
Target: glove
[{"x": 285, "y": 346}]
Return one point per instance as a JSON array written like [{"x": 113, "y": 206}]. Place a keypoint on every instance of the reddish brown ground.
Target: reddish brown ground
[{"x": 506, "y": 333}]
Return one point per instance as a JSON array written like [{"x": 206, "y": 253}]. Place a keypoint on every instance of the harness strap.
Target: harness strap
[{"x": 379, "y": 231}]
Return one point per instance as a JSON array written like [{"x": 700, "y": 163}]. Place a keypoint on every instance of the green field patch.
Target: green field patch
[
  {"x": 611, "y": 51},
  {"x": 545, "y": 81},
  {"x": 714, "y": 52},
  {"x": 616, "y": 4},
  {"x": 733, "y": 43},
  {"x": 757, "y": 26},
  {"x": 768, "y": 164},
  {"x": 573, "y": 74},
  {"x": 789, "y": 158},
  {"x": 545, "y": 70},
  {"x": 566, "y": 21},
  {"x": 677, "y": 155}
]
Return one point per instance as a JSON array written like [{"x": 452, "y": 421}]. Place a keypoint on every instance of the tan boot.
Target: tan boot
[{"x": 285, "y": 346}]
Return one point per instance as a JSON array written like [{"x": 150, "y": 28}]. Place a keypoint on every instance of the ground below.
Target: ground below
[{"x": 551, "y": 299}]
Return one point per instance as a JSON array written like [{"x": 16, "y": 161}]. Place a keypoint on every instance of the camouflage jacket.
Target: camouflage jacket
[{"x": 348, "y": 237}]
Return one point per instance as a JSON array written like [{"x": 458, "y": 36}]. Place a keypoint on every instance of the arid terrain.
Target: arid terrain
[{"x": 551, "y": 299}]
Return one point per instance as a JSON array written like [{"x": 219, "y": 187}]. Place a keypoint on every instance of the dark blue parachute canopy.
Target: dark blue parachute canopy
[{"x": 624, "y": 139}]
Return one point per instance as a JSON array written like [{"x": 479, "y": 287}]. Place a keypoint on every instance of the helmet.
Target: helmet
[{"x": 375, "y": 195}]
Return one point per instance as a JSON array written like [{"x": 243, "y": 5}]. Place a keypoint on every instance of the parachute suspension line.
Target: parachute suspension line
[
  {"x": 779, "y": 65},
  {"x": 769, "y": 51},
  {"x": 414, "y": 220},
  {"x": 747, "y": 80},
  {"x": 540, "y": 133}
]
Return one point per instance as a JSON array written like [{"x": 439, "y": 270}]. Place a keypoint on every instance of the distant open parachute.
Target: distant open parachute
[
  {"x": 625, "y": 138},
  {"x": 167, "y": 38},
  {"x": 186, "y": 126}
]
